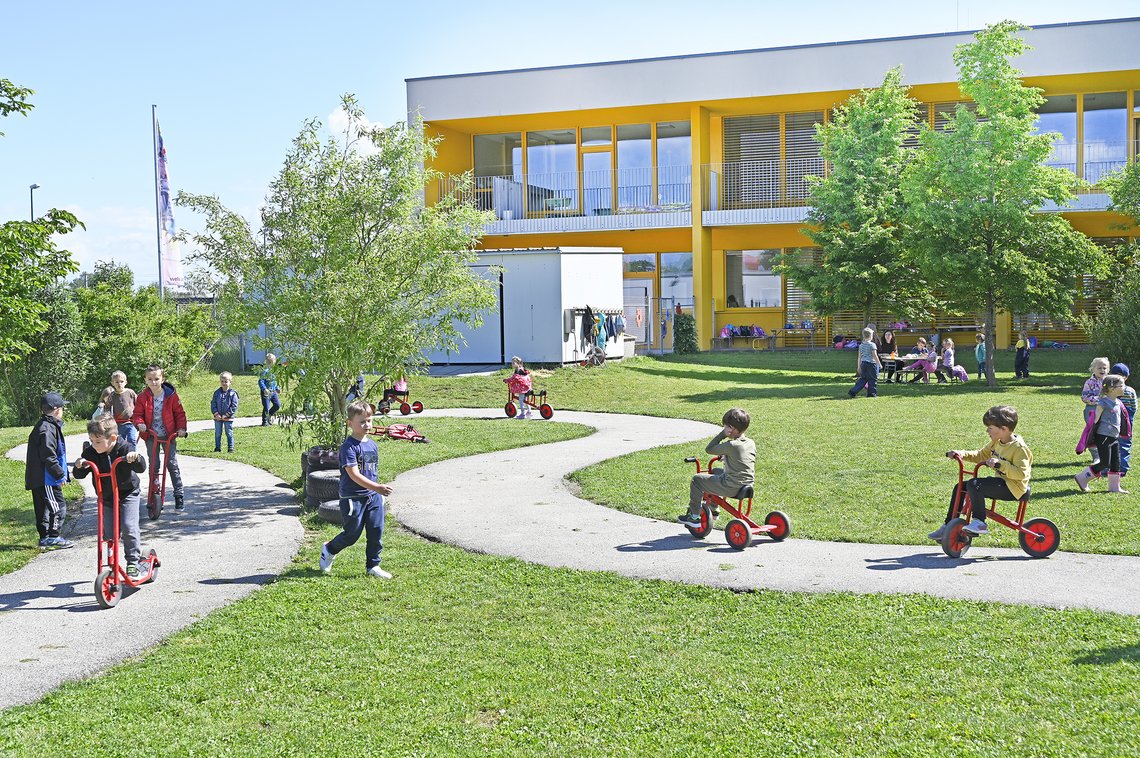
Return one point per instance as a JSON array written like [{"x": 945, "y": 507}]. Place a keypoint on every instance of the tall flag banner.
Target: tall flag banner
[{"x": 170, "y": 272}]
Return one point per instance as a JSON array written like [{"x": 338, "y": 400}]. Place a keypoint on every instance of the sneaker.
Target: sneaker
[
  {"x": 133, "y": 571},
  {"x": 179, "y": 503},
  {"x": 217, "y": 450},
  {"x": 938, "y": 533},
  {"x": 230, "y": 450},
  {"x": 45, "y": 543},
  {"x": 59, "y": 543},
  {"x": 326, "y": 559},
  {"x": 690, "y": 519},
  {"x": 977, "y": 526},
  {"x": 378, "y": 573}
]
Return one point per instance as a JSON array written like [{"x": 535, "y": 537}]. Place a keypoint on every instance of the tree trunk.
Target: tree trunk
[
  {"x": 991, "y": 341},
  {"x": 866, "y": 315}
]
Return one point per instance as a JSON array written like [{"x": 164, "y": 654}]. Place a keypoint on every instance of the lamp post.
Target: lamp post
[{"x": 32, "y": 200}]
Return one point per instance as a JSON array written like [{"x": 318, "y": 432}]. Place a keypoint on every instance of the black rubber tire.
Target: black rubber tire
[
  {"x": 702, "y": 531},
  {"x": 1048, "y": 543},
  {"x": 155, "y": 563},
  {"x": 510, "y": 410},
  {"x": 322, "y": 459},
  {"x": 329, "y": 511},
  {"x": 418, "y": 407},
  {"x": 322, "y": 485},
  {"x": 783, "y": 522},
  {"x": 738, "y": 534},
  {"x": 546, "y": 411},
  {"x": 955, "y": 541},
  {"x": 107, "y": 594}
]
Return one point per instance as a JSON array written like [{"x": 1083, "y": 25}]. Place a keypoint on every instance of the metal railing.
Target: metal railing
[{"x": 749, "y": 185}]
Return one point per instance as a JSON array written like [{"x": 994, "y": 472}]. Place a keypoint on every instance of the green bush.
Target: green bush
[
  {"x": 685, "y": 334},
  {"x": 1115, "y": 330}
]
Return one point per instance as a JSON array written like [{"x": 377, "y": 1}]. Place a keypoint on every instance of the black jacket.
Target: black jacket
[
  {"x": 125, "y": 472},
  {"x": 47, "y": 460}
]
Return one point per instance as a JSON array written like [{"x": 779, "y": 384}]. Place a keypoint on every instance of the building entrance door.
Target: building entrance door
[{"x": 638, "y": 308}]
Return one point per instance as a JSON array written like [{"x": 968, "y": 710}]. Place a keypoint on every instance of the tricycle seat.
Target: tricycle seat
[{"x": 745, "y": 492}]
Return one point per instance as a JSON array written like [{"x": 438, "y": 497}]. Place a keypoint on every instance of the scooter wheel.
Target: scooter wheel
[
  {"x": 107, "y": 589},
  {"x": 1046, "y": 540},
  {"x": 154, "y": 564},
  {"x": 738, "y": 534},
  {"x": 153, "y": 508},
  {"x": 955, "y": 541},
  {"x": 405, "y": 409},
  {"x": 510, "y": 410},
  {"x": 546, "y": 411},
  {"x": 418, "y": 407},
  {"x": 783, "y": 525},
  {"x": 702, "y": 531}
]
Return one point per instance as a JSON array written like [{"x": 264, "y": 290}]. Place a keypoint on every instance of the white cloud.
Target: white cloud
[{"x": 337, "y": 122}]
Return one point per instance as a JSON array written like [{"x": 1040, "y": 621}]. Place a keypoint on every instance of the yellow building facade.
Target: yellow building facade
[{"x": 694, "y": 166}]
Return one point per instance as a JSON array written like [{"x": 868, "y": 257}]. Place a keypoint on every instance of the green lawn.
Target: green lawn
[{"x": 464, "y": 653}]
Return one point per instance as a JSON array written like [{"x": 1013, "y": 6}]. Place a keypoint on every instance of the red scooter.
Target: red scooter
[
  {"x": 111, "y": 576},
  {"x": 154, "y": 504}
]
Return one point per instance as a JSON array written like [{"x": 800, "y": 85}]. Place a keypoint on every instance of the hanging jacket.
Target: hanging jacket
[
  {"x": 619, "y": 324},
  {"x": 599, "y": 331},
  {"x": 173, "y": 416}
]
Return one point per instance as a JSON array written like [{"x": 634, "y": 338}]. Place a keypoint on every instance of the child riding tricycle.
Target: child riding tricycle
[{"x": 737, "y": 532}]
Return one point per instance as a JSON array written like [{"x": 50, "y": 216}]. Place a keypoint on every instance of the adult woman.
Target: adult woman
[{"x": 888, "y": 354}]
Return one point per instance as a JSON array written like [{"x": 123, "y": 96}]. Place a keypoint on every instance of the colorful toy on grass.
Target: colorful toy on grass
[
  {"x": 737, "y": 532},
  {"x": 398, "y": 392},
  {"x": 533, "y": 399},
  {"x": 111, "y": 577},
  {"x": 1039, "y": 537}
]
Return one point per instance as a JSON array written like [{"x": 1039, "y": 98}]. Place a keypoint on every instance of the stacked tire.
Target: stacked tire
[{"x": 321, "y": 470}]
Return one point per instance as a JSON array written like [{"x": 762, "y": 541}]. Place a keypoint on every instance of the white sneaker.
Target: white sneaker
[
  {"x": 379, "y": 573},
  {"x": 326, "y": 559},
  {"x": 977, "y": 526},
  {"x": 938, "y": 533}
]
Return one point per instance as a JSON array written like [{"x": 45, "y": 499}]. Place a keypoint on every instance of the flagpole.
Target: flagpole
[{"x": 157, "y": 199}]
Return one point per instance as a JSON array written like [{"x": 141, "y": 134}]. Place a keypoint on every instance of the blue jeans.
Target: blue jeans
[
  {"x": 364, "y": 513},
  {"x": 869, "y": 378},
  {"x": 229, "y": 427},
  {"x": 129, "y": 434},
  {"x": 270, "y": 404},
  {"x": 1125, "y": 454},
  {"x": 982, "y": 370}
]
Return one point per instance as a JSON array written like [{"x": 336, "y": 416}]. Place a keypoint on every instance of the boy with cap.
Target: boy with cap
[
  {"x": 46, "y": 472},
  {"x": 1128, "y": 400}
]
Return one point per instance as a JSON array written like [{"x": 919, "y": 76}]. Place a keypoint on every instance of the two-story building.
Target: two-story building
[{"x": 694, "y": 165}]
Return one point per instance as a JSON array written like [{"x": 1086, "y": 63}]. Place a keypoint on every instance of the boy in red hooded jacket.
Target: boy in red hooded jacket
[{"x": 159, "y": 415}]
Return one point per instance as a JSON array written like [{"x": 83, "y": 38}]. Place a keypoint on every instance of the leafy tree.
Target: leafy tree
[
  {"x": 975, "y": 191},
  {"x": 29, "y": 258},
  {"x": 350, "y": 272},
  {"x": 128, "y": 329},
  {"x": 1115, "y": 330},
  {"x": 57, "y": 358},
  {"x": 857, "y": 209},
  {"x": 1124, "y": 188}
]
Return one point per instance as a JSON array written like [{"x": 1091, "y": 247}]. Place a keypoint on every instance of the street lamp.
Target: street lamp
[{"x": 32, "y": 199}]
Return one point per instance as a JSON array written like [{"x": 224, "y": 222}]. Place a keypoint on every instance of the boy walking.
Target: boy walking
[
  {"x": 105, "y": 448},
  {"x": 361, "y": 495},
  {"x": 868, "y": 366},
  {"x": 267, "y": 383},
  {"x": 46, "y": 472},
  {"x": 1128, "y": 400},
  {"x": 224, "y": 406},
  {"x": 119, "y": 401},
  {"x": 738, "y": 454},
  {"x": 1008, "y": 455},
  {"x": 159, "y": 415}
]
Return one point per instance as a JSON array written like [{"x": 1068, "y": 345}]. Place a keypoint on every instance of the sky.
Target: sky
[{"x": 235, "y": 81}]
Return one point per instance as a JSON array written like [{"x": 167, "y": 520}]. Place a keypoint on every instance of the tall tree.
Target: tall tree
[
  {"x": 350, "y": 272},
  {"x": 29, "y": 258},
  {"x": 975, "y": 193},
  {"x": 857, "y": 209}
]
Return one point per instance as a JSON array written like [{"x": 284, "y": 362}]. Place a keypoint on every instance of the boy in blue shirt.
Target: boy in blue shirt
[
  {"x": 361, "y": 496},
  {"x": 224, "y": 406},
  {"x": 46, "y": 472}
]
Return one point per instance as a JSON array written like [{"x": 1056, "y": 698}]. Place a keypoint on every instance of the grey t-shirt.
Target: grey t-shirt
[
  {"x": 867, "y": 352},
  {"x": 1109, "y": 424},
  {"x": 157, "y": 426}
]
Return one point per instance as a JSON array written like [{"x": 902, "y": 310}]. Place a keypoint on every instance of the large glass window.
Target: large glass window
[
  {"x": 597, "y": 184},
  {"x": 498, "y": 174},
  {"x": 634, "y": 166},
  {"x": 597, "y": 135},
  {"x": 749, "y": 280},
  {"x": 677, "y": 277},
  {"x": 1059, "y": 114},
  {"x": 674, "y": 163},
  {"x": 639, "y": 263},
  {"x": 1105, "y": 134},
  {"x": 552, "y": 171}
]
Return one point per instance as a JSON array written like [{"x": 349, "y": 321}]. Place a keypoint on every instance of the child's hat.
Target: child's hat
[
  {"x": 52, "y": 400},
  {"x": 1119, "y": 368}
]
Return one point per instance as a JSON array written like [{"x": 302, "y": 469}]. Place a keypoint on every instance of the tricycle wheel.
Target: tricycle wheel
[
  {"x": 154, "y": 564},
  {"x": 956, "y": 542},
  {"x": 418, "y": 407},
  {"x": 738, "y": 534},
  {"x": 405, "y": 409},
  {"x": 702, "y": 531},
  {"x": 510, "y": 410},
  {"x": 783, "y": 524},
  {"x": 153, "y": 507},
  {"x": 546, "y": 410},
  {"x": 107, "y": 589},
  {"x": 1046, "y": 540}
]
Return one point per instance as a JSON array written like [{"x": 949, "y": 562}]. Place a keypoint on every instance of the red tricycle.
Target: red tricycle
[
  {"x": 392, "y": 395},
  {"x": 111, "y": 576},
  {"x": 738, "y": 532},
  {"x": 533, "y": 399},
  {"x": 1039, "y": 537},
  {"x": 157, "y": 483}
]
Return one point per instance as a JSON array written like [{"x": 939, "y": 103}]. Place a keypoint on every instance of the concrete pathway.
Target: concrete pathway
[
  {"x": 240, "y": 530},
  {"x": 517, "y": 503}
]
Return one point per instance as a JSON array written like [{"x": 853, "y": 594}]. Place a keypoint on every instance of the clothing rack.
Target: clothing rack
[{"x": 603, "y": 311}]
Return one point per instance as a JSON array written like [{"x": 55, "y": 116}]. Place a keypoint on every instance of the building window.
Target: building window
[
  {"x": 674, "y": 163},
  {"x": 552, "y": 171},
  {"x": 634, "y": 166},
  {"x": 1105, "y": 134},
  {"x": 749, "y": 281},
  {"x": 677, "y": 277},
  {"x": 498, "y": 174},
  {"x": 1059, "y": 114},
  {"x": 639, "y": 263},
  {"x": 597, "y": 136}
]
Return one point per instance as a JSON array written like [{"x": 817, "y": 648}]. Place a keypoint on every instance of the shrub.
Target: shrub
[
  {"x": 1115, "y": 330},
  {"x": 685, "y": 334}
]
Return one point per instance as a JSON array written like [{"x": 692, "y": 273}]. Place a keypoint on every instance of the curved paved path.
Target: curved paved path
[
  {"x": 516, "y": 503},
  {"x": 240, "y": 530}
]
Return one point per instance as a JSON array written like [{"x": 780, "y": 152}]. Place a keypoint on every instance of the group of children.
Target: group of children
[{"x": 1108, "y": 412}]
